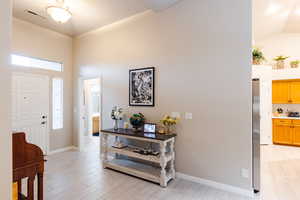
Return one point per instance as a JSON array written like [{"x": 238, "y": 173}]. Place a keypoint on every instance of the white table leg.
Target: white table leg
[
  {"x": 172, "y": 166},
  {"x": 163, "y": 164},
  {"x": 104, "y": 146}
]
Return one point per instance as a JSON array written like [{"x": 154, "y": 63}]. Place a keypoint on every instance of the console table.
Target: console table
[{"x": 165, "y": 160}]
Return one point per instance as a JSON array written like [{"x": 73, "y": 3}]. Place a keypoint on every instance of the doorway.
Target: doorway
[
  {"x": 30, "y": 108},
  {"x": 279, "y": 130},
  {"x": 90, "y": 114}
]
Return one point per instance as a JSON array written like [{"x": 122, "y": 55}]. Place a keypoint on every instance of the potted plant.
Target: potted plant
[
  {"x": 295, "y": 63},
  {"x": 168, "y": 122},
  {"x": 137, "y": 121},
  {"x": 280, "y": 61},
  {"x": 257, "y": 56}
]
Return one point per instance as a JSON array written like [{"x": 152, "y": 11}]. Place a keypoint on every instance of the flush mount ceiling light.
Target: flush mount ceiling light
[
  {"x": 273, "y": 9},
  {"x": 59, "y": 12}
]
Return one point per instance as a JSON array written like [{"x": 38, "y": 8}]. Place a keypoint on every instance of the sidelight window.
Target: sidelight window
[{"x": 57, "y": 103}]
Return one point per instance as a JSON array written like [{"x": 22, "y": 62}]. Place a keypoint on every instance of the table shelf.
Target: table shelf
[
  {"x": 137, "y": 169},
  {"x": 129, "y": 151}
]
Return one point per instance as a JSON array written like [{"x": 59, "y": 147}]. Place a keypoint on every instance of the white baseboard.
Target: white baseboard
[
  {"x": 216, "y": 185},
  {"x": 62, "y": 150}
]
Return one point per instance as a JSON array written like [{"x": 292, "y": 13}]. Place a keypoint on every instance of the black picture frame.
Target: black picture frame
[{"x": 146, "y": 95}]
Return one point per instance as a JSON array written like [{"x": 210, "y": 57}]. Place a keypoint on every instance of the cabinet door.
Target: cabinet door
[
  {"x": 280, "y": 92},
  {"x": 282, "y": 134},
  {"x": 296, "y": 135},
  {"x": 294, "y": 92}
]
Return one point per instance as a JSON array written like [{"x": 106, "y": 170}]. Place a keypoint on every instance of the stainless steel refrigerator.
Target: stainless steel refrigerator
[{"x": 256, "y": 134}]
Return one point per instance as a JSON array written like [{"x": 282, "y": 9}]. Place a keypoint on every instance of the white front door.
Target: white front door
[{"x": 30, "y": 107}]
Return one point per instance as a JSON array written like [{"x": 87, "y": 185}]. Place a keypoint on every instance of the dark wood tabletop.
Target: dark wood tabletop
[{"x": 130, "y": 132}]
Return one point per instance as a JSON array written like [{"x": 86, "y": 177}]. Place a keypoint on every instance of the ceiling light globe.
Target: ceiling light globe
[{"x": 59, "y": 14}]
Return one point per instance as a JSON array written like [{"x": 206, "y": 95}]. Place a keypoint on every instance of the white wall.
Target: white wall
[
  {"x": 201, "y": 51},
  {"x": 283, "y": 44},
  {"x": 34, "y": 41},
  {"x": 5, "y": 135},
  {"x": 287, "y": 44}
]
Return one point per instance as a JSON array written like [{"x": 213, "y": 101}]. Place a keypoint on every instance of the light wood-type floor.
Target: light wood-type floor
[
  {"x": 76, "y": 175},
  {"x": 280, "y": 172},
  {"x": 79, "y": 176}
]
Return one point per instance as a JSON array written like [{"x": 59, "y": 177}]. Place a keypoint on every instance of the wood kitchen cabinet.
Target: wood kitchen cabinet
[
  {"x": 286, "y": 131},
  {"x": 282, "y": 132},
  {"x": 15, "y": 191},
  {"x": 286, "y": 92},
  {"x": 296, "y": 135},
  {"x": 280, "y": 92},
  {"x": 294, "y": 92},
  {"x": 296, "y": 132}
]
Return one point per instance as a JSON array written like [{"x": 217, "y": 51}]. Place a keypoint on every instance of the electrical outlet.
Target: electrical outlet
[
  {"x": 245, "y": 173},
  {"x": 188, "y": 115}
]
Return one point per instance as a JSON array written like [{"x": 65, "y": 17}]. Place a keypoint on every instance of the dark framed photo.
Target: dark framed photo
[{"x": 141, "y": 87}]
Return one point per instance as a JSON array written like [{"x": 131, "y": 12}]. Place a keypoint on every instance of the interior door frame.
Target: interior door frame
[
  {"x": 80, "y": 135},
  {"x": 264, "y": 74},
  {"x": 47, "y": 136}
]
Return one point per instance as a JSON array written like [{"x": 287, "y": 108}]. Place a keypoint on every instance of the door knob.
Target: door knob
[
  {"x": 43, "y": 123},
  {"x": 44, "y": 117}
]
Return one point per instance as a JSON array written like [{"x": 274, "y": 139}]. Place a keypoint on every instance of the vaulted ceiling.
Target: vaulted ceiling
[
  {"x": 275, "y": 16},
  {"x": 86, "y": 14}
]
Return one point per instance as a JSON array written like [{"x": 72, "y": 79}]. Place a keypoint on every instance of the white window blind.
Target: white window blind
[
  {"x": 57, "y": 103},
  {"x": 36, "y": 63}
]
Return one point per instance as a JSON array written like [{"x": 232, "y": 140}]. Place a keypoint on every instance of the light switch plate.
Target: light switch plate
[
  {"x": 188, "y": 115},
  {"x": 175, "y": 114}
]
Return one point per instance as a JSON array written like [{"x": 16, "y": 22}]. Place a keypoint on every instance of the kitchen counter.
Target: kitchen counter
[{"x": 285, "y": 117}]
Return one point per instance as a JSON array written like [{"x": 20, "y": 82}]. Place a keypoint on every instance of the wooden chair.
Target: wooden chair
[{"x": 28, "y": 162}]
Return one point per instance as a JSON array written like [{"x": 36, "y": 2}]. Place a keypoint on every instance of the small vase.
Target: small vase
[
  {"x": 116, "y": 125},
  {"x": 168, "y": 129},
  {"x": 280, "y": 64},
  {"x": 294, "y": 65},
  {"x": 256, "y": 62}
]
